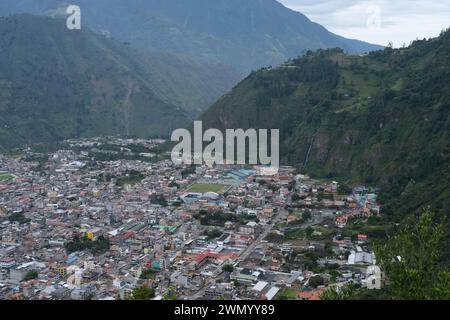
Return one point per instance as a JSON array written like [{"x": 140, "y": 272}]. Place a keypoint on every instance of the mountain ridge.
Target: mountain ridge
[
  {"x": 380, "y": 119},
  {"x": 56, "y": 83},
  {"x": 245, "y": 34}
]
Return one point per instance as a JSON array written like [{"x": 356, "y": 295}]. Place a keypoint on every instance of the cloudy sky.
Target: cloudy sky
[{"x": 378, "y": 21}]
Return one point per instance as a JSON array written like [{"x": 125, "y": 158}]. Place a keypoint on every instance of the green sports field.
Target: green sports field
[
  {"x": 203, "y": 188},
  {"x": 4, "y": 177}
]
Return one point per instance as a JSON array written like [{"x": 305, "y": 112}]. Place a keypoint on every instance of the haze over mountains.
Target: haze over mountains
[
  {"x": 245, "y": 34},
  {"x": 175, "y": 60},
  {"x": 57, "y": 83}
]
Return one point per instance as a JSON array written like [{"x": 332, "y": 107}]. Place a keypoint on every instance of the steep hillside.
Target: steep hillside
[
  {"x": 246, "y": 34},
  {"x": 381, "y": 119},
  {"x": 56, "y": 83},
  {"x": 185, "y": 82}
]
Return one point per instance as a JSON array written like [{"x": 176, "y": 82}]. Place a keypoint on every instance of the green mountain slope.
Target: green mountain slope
[
  {"x": 56, "y": 83},
  {"x": 246, "y": 34},
  {"x": 381, "y": 119},
  {"x": 182, "y": 81}
]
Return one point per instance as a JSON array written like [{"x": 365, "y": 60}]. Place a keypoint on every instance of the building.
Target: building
[{"x": 360, "y": 257}]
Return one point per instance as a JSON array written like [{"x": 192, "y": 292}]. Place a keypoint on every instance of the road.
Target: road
[
  {"x": 244, "y": 254},
  {"x": 281, "y": 216}
]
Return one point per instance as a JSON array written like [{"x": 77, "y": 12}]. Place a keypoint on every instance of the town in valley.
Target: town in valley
[{"x": 112, "y": 219}]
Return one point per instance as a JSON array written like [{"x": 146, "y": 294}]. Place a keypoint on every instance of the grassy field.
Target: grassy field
[
  {"x": 203, "y": 188},
  {"x": 4, "y": 177},
  {"x": 289, "y": 294},
  {"x": 295, "y": 234}
]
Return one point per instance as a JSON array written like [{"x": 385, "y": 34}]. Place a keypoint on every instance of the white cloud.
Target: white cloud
[{"x": 400, "y": 21}]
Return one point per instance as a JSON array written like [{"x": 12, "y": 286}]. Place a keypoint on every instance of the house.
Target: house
[
  {"x": 249, "y": 228},
  {"x": 244, "y": 275},
  {"x": 362, "y": 238},
  {"x": 260, "y": 286},
  {"x": 7, "y": 262},
  {"x": 311, "y": 295},
  {"x": 360, "y": 257},
  {"x": 272, "y": 293}
]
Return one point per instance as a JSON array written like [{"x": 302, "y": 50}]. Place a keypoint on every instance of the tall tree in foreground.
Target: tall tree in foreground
[
  {"x": 411, "y": 263},
  {"x": 411, "y": 260}
]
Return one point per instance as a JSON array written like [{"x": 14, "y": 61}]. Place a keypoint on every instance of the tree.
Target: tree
[
  {"x": 213, "y": 234},
  {"x": 307, "y": 215},
  {"x": 309, "y": 231},
  {"x": 143, "y": 293},
  {"x": 344, "y": 189},
  {"x": 99, "y": 246},
  {"x": 344, "y": 293},
  {"x": 18, "y": 217},
  {"x": 315, "y": 281},
  {"x": 148, "y": 274},
  {"x": 411, "y": 260},
  {"x": 177, "y": 204},
  {"x": 334, "y": 274},
  {"x": 227, "y": 268},
  {"x": 32, "y": 274},
  {"x": 158, "y": 199},
  {"x": 170, "y": 295},
  {"x": 352, "y": 291},
  {"x": 89, "y": 297}
]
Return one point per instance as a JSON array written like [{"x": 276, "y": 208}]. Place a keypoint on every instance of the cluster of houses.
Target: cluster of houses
[{"x": 73, "y": 227}]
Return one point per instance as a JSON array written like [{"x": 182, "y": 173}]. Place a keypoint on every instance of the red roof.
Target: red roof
[
  {"x": 311, "y": 295},
  {"x": 214, "y": 255},
  {"x": 128, "y": 235}
]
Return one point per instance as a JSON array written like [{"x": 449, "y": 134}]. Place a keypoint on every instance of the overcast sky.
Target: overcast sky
[{"x": 378, "y": 21}]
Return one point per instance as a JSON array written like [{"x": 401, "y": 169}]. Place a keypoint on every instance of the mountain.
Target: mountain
[
  {"x": 56, "y": 83},
  {"x": 245, "y": 34},
  {"x": 381, "y": 119}
]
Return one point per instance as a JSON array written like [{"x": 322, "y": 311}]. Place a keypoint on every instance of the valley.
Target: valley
[{"x": 98, "y": 203}]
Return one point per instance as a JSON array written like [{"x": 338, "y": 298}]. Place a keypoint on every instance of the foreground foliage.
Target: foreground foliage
[{"x": 412, "y": 263}]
